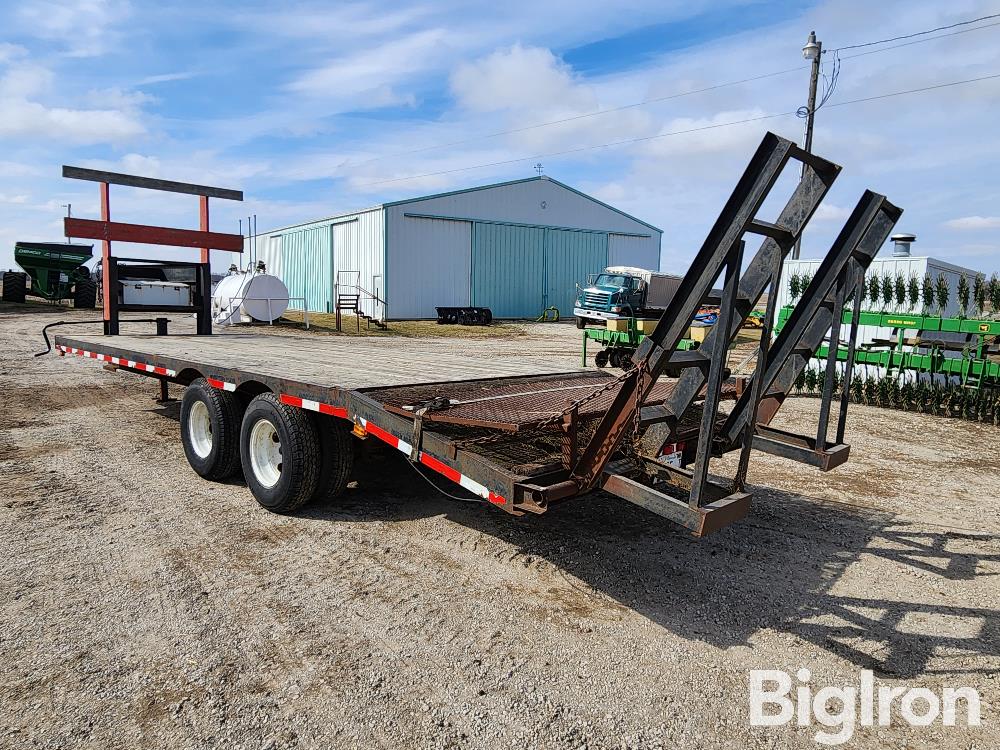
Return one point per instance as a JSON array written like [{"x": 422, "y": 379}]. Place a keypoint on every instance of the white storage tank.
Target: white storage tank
[{"x": 250, "y": 295}]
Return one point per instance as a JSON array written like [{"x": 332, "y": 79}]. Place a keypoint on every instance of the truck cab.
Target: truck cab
[{"x": 612, "y": 295}]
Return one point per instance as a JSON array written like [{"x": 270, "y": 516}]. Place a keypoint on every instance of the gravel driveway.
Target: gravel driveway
[{"x": 143, "y": 606}]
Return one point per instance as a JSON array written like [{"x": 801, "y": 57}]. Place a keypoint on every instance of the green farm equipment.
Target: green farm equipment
[
  {"x": 975, "y": 362},
  {"x": 618, "y": 346},
  {"x": 53, "y": 271}
]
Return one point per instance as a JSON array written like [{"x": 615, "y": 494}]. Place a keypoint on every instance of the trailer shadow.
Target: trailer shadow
[{"x": 777, "y": 570}]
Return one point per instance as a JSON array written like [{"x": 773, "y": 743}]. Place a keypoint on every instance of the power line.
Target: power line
[
  {"x": 713, "y": 126},
  {"x": 920, "y": 41},
  {"x": 574, "y": 118},
  {"x": 681, "y": 94},
  {"x": 918, "y": 33}
]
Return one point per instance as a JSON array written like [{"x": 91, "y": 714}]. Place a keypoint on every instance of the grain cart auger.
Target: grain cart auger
[{"x": 635, "y": 434}]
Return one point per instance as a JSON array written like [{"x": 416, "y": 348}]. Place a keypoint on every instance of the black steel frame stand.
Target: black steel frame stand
[{"x": 201, "y": 297}]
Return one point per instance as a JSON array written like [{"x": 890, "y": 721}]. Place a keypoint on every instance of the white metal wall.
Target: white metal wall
[
  {"x": 431, "y": 266},
  {"x": 629, "y": 250},
  {"x": 889, "y": 266},
  {"x": 424, "y": 245},
  {"x": 358, "y": 245}
]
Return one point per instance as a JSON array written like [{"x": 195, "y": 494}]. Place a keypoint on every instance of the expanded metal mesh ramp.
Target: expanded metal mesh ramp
[{"x": 519, "y": 404}]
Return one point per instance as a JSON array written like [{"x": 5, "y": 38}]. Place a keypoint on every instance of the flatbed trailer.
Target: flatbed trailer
[{"x": 518, "y": 436}]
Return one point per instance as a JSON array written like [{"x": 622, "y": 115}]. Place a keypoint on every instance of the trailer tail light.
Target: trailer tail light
[
  {"x": 359, "y": 431},
  {"x": 673, "y": 454}
]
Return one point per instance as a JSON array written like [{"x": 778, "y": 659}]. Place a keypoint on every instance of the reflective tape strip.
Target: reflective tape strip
[
  {"x": 222, "y": 385},
  {"x": 304, "y": 403},
  {"x": 401, "y": 445},
  {"x": 432, "y": 463},
  {"x": 130, "y": 363}
]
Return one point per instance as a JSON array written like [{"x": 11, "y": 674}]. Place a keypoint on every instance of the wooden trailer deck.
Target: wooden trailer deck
[{"x": 323, "y": 362}]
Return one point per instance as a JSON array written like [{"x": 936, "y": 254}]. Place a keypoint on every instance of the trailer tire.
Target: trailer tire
[
  {"x": 85, "y": 294},
  {"x": 210, "y": 424},
  {"x": 336, "y": 446},
  {"x": 280, "y": 453},
  {"x": 15, "y": 286}
]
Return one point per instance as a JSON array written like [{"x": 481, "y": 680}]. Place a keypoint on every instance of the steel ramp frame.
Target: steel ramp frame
[
  {"x": 820, "y": 311},
  {"x": 722, "y": 251}
]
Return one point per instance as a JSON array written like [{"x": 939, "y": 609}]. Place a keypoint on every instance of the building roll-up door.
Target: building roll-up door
[
  {"x": 508, "y": 269},
  {"x": 307, "y": 267},
  {"x": 570, "y": 257}
]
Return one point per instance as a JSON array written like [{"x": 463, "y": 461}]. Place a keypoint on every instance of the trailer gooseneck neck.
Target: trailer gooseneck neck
[{"x": 525, "y": 440}]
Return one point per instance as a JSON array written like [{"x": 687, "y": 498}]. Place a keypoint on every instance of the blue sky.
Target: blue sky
[{"x": 317, "y": 108}]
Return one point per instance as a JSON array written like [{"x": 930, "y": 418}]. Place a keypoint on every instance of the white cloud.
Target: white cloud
[
  {"x": 34, "y": 121},
  {"x": 85, "y": 27},
  {"x": 522, "y": 79},
  {"x": 16, "y": 169},
  {"x": 24, "y": 81},
  {"x": 973, "y": 223},
  {"x": 830, "y": 212},
  {"x": 10, "y": 52},
  {"x": 182, "y": 75},
  {"x": 368, "y": 78}
]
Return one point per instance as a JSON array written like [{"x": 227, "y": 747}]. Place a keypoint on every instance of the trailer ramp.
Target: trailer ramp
[{"x": 611, "y": 433}]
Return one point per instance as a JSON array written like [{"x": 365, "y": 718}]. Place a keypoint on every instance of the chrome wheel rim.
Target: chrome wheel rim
[
  {"x": 200, "y": 429},
  {"x": 265, "y": 453}
]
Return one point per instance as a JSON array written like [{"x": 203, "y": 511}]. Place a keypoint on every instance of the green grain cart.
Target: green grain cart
[{"x": 52, "y": 271}]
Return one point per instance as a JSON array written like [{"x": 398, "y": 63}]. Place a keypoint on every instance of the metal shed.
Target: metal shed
[{"x": 516, "y": 247}]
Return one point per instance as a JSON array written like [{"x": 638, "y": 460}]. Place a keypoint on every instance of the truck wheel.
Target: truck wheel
[
  {"x": 85, "y": 294},
  {"x": 15, "y": 285},
  {"x": 336, "y": 456},
  {"x": 581, "y": 323},
  {"x": 210, "y": 423},
  {"x": 280, "y": 453}
]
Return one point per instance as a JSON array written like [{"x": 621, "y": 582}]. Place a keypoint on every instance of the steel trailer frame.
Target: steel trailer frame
[{"x": 620, "y": 450}]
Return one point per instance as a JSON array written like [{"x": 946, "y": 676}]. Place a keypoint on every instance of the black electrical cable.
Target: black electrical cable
[
  {"x": 701, "y": 128},
  {"x": 446, "y": 494},
  {"x": 918, "y": 33}
]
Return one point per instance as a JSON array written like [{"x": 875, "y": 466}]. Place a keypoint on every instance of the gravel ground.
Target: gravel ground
[{"x": 143, "y": 606}]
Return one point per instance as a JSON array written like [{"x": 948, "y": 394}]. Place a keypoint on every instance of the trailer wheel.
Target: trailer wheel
[
  {"x": 280, "y": 453},
  {"x": 210, "y": 423},
  {"x": 601, "y": 358},
  {"x": 15, "y": 286},
  {"x": 336, "y": 456},
  {"x": 85, "y": 294}
]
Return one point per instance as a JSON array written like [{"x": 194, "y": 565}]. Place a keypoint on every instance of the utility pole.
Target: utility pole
[
  {"x": 812, "y": 51},
  {"x": 69, "y": 213}
]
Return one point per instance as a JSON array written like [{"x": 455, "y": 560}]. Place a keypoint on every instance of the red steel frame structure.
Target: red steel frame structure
[{"x": 106, "y": 230}]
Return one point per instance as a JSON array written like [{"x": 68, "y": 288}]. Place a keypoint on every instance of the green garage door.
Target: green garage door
[
  {"x": 306, "y": 268},
  {"x": 517, "y": 270},
  {"x": 571, "y": 256},
  {"x": 507, "y": 269}
]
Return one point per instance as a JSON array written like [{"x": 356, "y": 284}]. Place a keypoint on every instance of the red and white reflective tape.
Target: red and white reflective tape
[
  {"x": 120, "y": 361},
  {"x": 401, "y": 445},
  {"x": 432, "y": 463},
  {"x": 304, "y": 403},
  {"x": 222, "y": 385}
]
